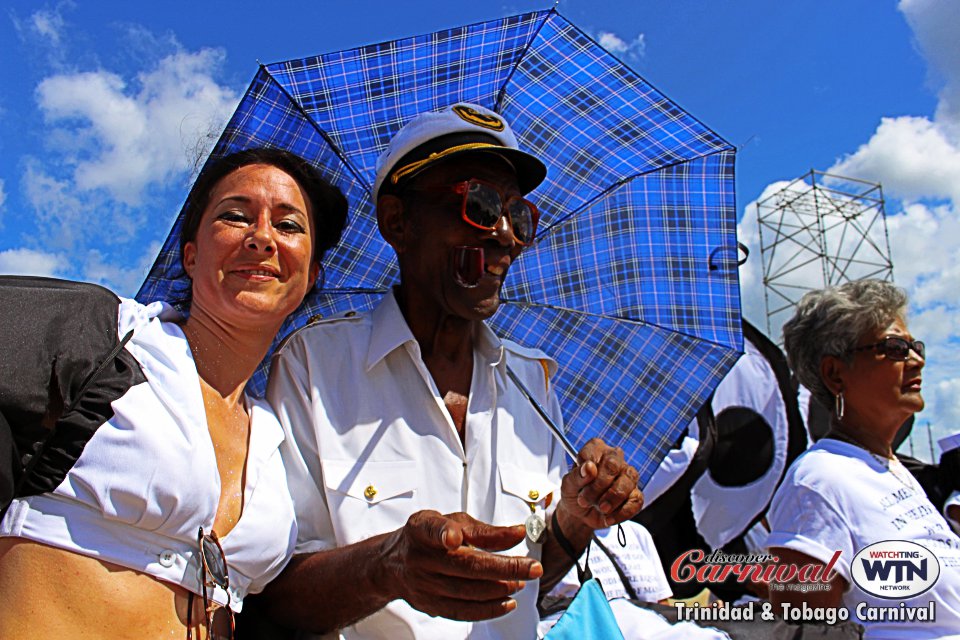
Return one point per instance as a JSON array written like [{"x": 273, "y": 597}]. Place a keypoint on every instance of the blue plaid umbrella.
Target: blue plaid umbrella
[{"x": 631, "y": 285}]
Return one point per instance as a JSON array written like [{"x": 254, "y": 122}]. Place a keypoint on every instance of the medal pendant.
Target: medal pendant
[{"x": 535, "y": 527}]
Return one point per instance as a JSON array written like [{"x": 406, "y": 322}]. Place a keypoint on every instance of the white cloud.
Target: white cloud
[
  {"x": 44, "y": 33},
  {"x": 913, "y": 157},
  {"x": 935, "y": 24},
  {"x": 926, "y": 253},
  {"x": 58, "y": 210},
  {"x": 123, "y": 136},
  {"x": 48, "y": 24},
  {"x": 124, "y": 279},
  {"x": 27, "y": 262},
  {"x": 918, "y": 157},
  {"x": 3, "y": 194},
  {"x": 941, "y": 400},
  {"x": 635, "y": 48},
  {"x": 116, "y": 158}
]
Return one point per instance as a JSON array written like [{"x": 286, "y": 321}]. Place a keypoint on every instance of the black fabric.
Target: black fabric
[
  {"x": 797, "y": 434},
  {"x": 8, "y": 459},
  {"x": 819, "y": 419},
  {"x": 254, "y": 623},
  {"x": 731, "y": 590},
  {"x": 57, "y": 376},
  {"x": 903, "y": 432},
  {"x": 797, "y": 441},
  {"x": 935, "y": 480},
  {"x": 744, "y": 449},
  {"x": 949, "y": 472}
]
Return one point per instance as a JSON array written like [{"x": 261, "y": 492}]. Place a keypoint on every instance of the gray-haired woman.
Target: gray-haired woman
[{"x": 851, "y": 347}]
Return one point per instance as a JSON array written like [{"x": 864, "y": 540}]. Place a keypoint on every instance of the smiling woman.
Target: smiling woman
[
  {"x": 250, "y": 242},
  {"x": 177, "y": 506}
]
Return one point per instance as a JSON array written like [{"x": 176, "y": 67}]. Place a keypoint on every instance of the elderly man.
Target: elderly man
[{"x": 412, "y": 457}]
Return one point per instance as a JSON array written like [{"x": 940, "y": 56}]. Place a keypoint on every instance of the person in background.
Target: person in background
[
  {"x": 631, "y": 570},
  {"x": 851, "y": 347},
  {"x": 413, "y": 459},
  {"x": 178, "y": 506},
  {"x": 949, "y": 477}
]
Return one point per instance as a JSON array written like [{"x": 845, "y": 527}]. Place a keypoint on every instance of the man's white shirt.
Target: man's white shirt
[{"x": 370, "y": 442}]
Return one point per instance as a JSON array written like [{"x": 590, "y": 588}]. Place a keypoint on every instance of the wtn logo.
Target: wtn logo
[
  {"x": 902, "y": 570},
  {"x": 895, "y": 569}
]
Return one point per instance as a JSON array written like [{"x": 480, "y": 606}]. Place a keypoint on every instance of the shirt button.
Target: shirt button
[
  {"x": 167, "y": 558},
  {"x": 534, "y": 494},
  {"x": 370, "y": 492}
]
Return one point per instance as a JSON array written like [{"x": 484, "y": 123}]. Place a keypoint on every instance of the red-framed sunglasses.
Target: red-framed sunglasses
[{"x": 484, "y": 203}]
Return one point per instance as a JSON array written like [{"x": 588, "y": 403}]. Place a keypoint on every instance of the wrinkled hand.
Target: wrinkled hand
[
  {"x": 442, "y": 566},
  {"x": 601, "y": 489}
]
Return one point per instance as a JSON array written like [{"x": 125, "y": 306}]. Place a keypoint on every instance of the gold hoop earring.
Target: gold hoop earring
[{"x": 838, "y": 406}]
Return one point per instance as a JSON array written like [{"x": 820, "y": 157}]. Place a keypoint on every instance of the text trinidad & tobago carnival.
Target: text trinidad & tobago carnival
[{"x": 718, "y": 566}]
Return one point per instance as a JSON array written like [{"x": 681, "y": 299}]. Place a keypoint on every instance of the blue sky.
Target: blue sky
[{"x": 106, "y": 104}]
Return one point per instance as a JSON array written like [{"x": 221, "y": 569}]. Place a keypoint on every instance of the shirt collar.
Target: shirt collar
[
  {"x": 390, "y": 330},
  {"x": 488, "y": 346}
]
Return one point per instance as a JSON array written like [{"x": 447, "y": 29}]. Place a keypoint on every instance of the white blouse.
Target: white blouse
[{"x": 147, "y": 480}]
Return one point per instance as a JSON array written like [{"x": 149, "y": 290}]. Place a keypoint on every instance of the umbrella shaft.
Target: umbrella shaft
[{"x": 557, "y": 431}]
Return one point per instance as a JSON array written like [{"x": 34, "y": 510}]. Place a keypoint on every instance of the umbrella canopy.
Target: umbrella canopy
[{"x": 631, "y": 284}]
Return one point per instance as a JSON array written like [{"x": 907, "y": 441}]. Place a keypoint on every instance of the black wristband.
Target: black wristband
[
  {"x": 583, "y": 573},
  {"x": 562, "y": 539}
]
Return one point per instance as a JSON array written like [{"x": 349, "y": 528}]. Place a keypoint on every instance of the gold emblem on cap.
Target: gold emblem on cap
[
  {"x": 534, "y": 494},
  {"x": 370, "y": 492},
  {"x": 487, "y": 121}
]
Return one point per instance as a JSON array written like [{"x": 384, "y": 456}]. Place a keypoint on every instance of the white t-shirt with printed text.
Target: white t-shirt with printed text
[
  {"x": 837, "y": 496},
  {"x": 638, "y": 559}
]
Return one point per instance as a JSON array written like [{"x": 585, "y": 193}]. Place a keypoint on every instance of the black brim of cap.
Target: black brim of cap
[{"x": 529, "y": 169}]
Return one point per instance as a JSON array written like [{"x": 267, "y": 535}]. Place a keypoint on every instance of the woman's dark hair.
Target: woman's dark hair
[{"x": 327, "y": 203}]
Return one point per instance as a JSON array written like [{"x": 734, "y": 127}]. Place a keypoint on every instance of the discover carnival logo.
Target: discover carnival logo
[
  {"x": 718, "y": 566},
  {"x": 895, "y": 569}
]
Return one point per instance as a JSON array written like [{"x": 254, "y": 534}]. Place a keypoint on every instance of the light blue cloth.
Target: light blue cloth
[{"x": 589, "y": 617}]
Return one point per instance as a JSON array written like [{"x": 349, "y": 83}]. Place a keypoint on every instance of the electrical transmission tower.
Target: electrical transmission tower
[{"x": 820, "y": 230}]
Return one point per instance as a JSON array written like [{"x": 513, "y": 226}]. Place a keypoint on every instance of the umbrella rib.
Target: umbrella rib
[
  {"x": 554, "y": 428},
  {"x": 318, "y": 128},
  {"x": 620, "y": 183},
  {"x": 503, "y": 88},
  {"x": 588, "y": 314},
  {"x": 347, "y": 290}
]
